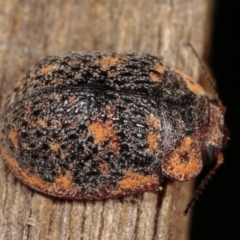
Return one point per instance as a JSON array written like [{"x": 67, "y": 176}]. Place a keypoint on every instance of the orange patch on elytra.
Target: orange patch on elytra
[
  {"x": 13, "y": 136},
  {"x": 152, "y": 121},
  {"x": 55, "y": 146},
  {"x": 160, "y": 68},
  {"x": 104, "y": 168},
  {"x": 101, "y": 131},
  {"x": 157, "y": 77},
  {"x": 30, "y": 179},
  {"x": 63, "y": 155},
  {"x": 152, "y": 141},
  {"x": 184, "y": 163},
  {"x": 104, "y": 131},
  {"x": 152, "y": 137},
  {"x": 114, "y": 145},
  {"x": 191, "y": 83},
  {"x": 48, "y": 69},
  {"x": 73, "y": 62},
  {"x": 64, "y": 182},
  {"x": 59, "y": 81},
  {"x": 133, "y": 180},
  {"x": 34, "y": 181},
  {"x": 106, "y": 62},
  {"x": 40, "y": 122}
]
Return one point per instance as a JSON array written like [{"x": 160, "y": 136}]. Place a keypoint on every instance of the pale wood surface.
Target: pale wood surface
[{"x": 30, "y": 30}]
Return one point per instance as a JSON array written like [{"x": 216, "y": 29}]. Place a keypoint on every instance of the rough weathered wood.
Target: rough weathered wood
[{"x": 30, "y": 30}]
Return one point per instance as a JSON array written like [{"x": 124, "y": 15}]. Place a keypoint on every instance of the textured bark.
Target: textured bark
[{"x": 30, "y": 30}]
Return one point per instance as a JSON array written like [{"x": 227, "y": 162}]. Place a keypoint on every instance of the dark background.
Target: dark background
[{"x": 216, "y": 213}]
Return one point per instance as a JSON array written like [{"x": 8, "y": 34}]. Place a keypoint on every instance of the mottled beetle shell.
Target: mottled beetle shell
[{"x": 98, "y": 125}]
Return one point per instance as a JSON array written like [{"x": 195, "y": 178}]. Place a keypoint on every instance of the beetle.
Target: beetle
[{"x": 98, "y": 125}]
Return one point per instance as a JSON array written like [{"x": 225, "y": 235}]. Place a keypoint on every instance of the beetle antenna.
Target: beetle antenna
[
  {"x": 206, "y": 72},
  {"x": 204, "y": 183},
  {"x": 208, "y": 77}
]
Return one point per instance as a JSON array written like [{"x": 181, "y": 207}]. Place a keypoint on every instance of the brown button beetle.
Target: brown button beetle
[{"x": 99, "y": 125}]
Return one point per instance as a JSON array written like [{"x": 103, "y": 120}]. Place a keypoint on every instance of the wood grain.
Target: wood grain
[{"x": 30, "y": 30}]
